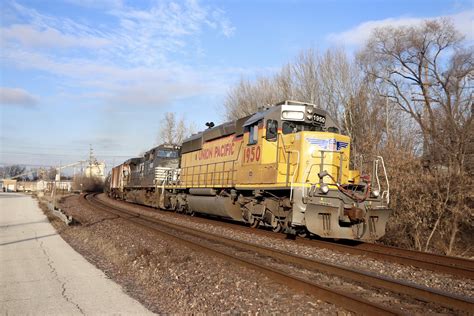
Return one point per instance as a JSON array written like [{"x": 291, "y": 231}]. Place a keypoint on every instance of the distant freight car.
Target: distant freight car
[{"x": 286, "y": 166}]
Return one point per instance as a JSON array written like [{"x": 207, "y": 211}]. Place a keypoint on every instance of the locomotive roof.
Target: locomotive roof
[
  {"x": 194, "y": 142},
  {"x": 133, "y": 161},
  {"x": 260, "y": 115},
  {"x": 163, "y": 146}
]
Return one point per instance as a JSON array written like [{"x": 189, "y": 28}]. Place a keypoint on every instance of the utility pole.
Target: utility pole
[
  {"x": 90, "y": 160},
  {"x": 386, "y": 120},
  {"x": 57, "y": 178},
  {"x": 82, "y": 175}
]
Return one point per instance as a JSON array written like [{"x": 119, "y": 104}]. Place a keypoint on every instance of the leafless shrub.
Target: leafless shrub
[{"x": 431, "y": 208}]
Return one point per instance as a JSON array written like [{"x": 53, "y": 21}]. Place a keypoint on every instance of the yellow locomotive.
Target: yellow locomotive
[{"x": 287, "y": 167}]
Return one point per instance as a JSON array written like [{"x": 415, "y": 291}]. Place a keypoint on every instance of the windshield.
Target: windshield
[
  {"x": 167, "y": 153},
  {"x": 295, "y": 127}
]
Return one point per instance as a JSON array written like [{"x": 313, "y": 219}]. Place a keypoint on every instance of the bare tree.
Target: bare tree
[
  {"x": 327, "y": 80},
  {"x": 246, "y": 97},
  {"x": 11, "y": 171},
  {"x": 426, "y": 72},
  {"x": 174, "y": 130},
  {"x": 305, "y": 73}
]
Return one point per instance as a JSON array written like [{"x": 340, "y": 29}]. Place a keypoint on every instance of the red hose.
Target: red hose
[{"x": 356, "y": 197}]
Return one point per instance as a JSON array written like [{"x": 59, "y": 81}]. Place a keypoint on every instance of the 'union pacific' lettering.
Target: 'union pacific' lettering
[
  {"x": 217, "y": 152},
  {"x": 205, "y": 154}
]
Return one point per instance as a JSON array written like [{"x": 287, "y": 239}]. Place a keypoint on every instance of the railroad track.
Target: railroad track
[
  {"x": 212, "y": 243},
  {"x": 459, "y": 267}
]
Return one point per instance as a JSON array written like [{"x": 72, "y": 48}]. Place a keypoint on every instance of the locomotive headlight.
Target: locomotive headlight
[
  {"x": 375, "y": 193},
  {"x": 293, "y": 115},
  {"x": 324, "y": 188},
  {"x": 309, "y": 117},
  {"x": 309, "y": 110}
]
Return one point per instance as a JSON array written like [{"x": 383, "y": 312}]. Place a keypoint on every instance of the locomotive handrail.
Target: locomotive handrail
[
  {"x": 385, "y": 193},
  {"x": 222, "y": 177},
  {"x": 322, "y": 164},
  {"x": 294, "y": 171},
  {"x": 309, "y": 168}
]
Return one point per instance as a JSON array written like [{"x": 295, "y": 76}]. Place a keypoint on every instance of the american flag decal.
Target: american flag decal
[{"x": 327, "y": 144}]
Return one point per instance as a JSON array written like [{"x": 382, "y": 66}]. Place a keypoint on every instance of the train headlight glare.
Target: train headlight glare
[
  {"x": 309, "y": 117},
  {"x": 375, "y": 193},
  {"x": 324, "y": 188},
  {"x": 309, "y": 110}
]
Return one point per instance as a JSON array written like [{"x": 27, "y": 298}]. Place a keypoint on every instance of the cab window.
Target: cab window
[
  {"x": 253, "y": 134},
  {"x": 167, "y": 153},
  {"x": 290, "y": 127},
  {"x": 272, "y": 130}
]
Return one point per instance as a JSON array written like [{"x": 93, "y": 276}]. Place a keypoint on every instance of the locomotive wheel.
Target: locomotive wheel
[
  {"x": 303, "y": 233},
  {"x": 255, "y": 223},
  {"x": 277, "y": 228}
]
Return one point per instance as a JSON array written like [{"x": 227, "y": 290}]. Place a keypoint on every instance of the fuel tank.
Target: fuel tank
[{"x": 214, "y": 205}]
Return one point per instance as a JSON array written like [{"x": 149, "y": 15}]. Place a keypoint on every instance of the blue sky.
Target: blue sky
[{"x": 80, "y": 72}]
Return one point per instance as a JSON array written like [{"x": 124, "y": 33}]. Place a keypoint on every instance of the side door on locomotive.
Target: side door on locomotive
[{"x": 259, "y": 151}]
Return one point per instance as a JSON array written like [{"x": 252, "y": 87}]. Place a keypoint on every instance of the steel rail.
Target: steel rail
[
  {"x": 459, "y": 263},
  {"x": 459, "y": 267},
  {"x": 402, "y": 287},
  {"x": 443, "y": 264},
  {"x": 355, "y": 304}
]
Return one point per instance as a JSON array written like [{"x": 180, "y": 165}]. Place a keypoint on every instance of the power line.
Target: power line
[
  {"x": 25, "y": 164},
  {"x": 60, "y": 155}
]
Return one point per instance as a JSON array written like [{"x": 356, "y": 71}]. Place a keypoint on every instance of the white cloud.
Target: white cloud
[
  {"x": 153, "y": 94},
  {"x": 134, "y": 59},
  {"x": 16, "y": 96},
  {"x": 359, "y": 34},
  {"x": 131, "y": 35},
  {"x": 97, "y": 4},
  {"x": 31, "y": 36},
  {"x": 226, "y": 27}
]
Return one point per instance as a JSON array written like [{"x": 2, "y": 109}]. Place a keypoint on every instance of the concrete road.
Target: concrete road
[{"x": 40, "y": 274}]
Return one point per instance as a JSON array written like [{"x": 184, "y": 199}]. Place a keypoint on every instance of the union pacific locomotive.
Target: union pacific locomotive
[{"x": 286, "y": 167}]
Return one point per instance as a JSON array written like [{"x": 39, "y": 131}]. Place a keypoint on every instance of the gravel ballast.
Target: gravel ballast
[
  {"x": 170, "y": 278},
  {"x": 440, "y": 281}
]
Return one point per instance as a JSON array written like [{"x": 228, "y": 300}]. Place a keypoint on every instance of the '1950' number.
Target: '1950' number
[{"x": 252, "y": 154}]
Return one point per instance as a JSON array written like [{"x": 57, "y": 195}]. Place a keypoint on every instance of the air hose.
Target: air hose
[{"x": 354, "y": 196}]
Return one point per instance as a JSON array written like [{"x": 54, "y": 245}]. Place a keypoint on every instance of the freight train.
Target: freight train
[{"x": 286, "y": 167}]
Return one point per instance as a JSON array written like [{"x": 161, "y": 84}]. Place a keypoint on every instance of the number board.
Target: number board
[{"x": 320, "y": 119}]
